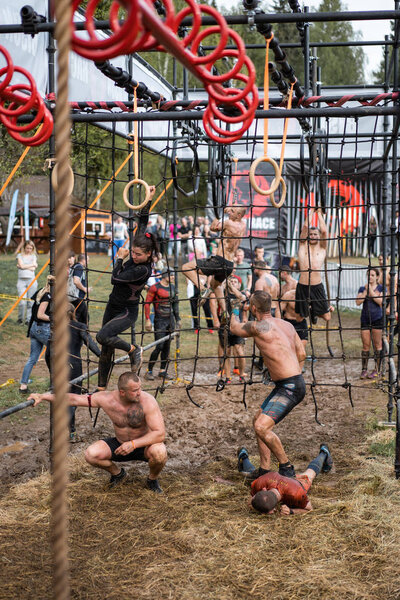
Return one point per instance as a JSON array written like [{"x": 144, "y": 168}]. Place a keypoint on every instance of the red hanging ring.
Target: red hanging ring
[
  {"x": 238, "y": 54},
  {"x": 196, "y": 24},
  {"x": 223, "y": 30},
  {"x": 9, "y": 69},
  {"x": 25, "y": 102},
  {"x": 11, "y": 123},
  {"x": 219, "y": 93}
]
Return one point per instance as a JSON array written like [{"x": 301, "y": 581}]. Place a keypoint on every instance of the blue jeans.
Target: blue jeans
[
  {"x": 39, "y": 335},
  {"x": 117, "y": 244}
]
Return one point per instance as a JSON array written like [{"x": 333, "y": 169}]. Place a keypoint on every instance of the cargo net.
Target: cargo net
[{"x": 342, "y": 185}]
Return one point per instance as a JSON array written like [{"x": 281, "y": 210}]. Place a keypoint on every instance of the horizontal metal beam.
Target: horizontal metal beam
[
  {"x": 197, "y": 115},
  {"x": 369, "y": 15}
]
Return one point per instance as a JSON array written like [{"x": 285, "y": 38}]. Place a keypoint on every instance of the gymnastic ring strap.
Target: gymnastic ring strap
[
  {"x": 54, "y": 179},
  {"x": 147, "y": 197},
  {"x": 304, "y": 181},
  {"x": 283, "y": 195},
  {"x": 275, "y": 182},
  {"x": 174, "y": 171}
]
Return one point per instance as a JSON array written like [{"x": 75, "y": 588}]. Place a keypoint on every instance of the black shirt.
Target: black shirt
[
  {"x": 79, "y": 271},
  {"x": 129, "y": 280},
  {"x": 35, "y": 308}
]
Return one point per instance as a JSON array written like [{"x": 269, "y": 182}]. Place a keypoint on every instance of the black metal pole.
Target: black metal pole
[
  {"x": 367, "y": 15},
  {"x": 359, "y": 111},
  {"x": 51, "y": 51},
  {"x": 306, "y": 51}
]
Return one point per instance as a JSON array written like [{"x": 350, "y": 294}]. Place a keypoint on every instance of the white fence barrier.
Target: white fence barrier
[{"x": 344, "y": 282}]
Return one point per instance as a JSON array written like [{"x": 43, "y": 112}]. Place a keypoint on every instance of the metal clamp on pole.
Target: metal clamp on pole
[{"x": 30, "y": 20}]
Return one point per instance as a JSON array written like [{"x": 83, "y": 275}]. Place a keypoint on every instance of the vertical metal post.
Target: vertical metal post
[
  {"x": 385, "y": 240},
  {"x": 51, "y": 50},
  {"x": 393, "y": 250},
  {"x": 306, "y": 51},
  {"x": 131, "y": 175},
  {"x": 175, "y": 192}
]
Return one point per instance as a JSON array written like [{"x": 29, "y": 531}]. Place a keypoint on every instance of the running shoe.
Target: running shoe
[
  {"x": 287, "y": 471},
  {"x": 117, "y": 479},
  {"x": 328, "y": 464},
  {"x": 236, "y": 371},
  {"x": 136, "y": 359},
  {"x": 364, "y": 374},
  {"x": 149, "y": 376},
  {"x": 244, "y": 464},
  {"x": 153, "y": 485},
  {"x": 250, "y": 477},
  {"x": 74, "y": 437},
  {"x": 204, "y": 296},
  {"x": 164, "y": 375},
  {"x": 211, "y": 331},
  {"x": 228, "y": 380},
  {"x": 241, "y": 379},
  {"x": 373, "y": 375}
]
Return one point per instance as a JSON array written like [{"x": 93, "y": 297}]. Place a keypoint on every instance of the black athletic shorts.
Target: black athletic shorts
[
  {"x": 287, "y": 394},
  {"x": 113, "y": 444},
  {"x": 300, "y": 327},
  {"x": 311, "y": 300},
  {"x": 232, "y": 340},
  {"x": 217, "y": 266},
  {"x": 378, "y": 324}
]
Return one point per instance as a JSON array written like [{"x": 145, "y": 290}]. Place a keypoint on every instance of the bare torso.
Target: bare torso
[
  {"x": 288, "y": 305},
  {"x": 269, "y": 283},
  {"x": 276, "y": 340},
  {"x": 129, "y": 420},
  {"x": 286, "y": 286},
  {"x": 311, "y": 260},
  {"x": 231, "y": 236}
]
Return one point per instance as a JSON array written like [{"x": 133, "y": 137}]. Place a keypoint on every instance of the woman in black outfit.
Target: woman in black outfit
[{"x": 122, "y": 309}]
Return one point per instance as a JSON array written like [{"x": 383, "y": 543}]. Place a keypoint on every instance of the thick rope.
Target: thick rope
[{"x": 59, "y": 519}]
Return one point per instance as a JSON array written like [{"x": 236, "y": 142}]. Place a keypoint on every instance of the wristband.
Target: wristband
[
  {"x": 291, "y": 511},
  {"x": 133, "y": 444}
]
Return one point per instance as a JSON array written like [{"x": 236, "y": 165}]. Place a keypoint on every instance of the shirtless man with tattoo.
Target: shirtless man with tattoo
[
  {"x": 266, "y": 282},
  {"x": 283, "y": 354},
  {"x": 311, "y": 300},
  {"x": 219, "y": 266},
  {"x": 138, "y": 426}
]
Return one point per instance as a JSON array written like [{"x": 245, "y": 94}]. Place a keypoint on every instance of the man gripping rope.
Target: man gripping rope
[
  {"x": 283, "y": 354},
  {"x": 219, "y": 266},
  {"x": 311, "y": 300}
]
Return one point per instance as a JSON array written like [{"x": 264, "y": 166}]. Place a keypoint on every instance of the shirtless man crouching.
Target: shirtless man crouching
[
  {"x": 311, "y": 300},
  {"x": 138, "y": 425},
  {"x": 219, "y": 266},
  {"x": 283, "y": 354}
]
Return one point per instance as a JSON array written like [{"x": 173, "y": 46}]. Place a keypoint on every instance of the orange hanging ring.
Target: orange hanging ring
[
  {"x": 147, "y": 197},
  {"x": 54, "y": 179},
  {"x": 252, "y": 176},
  {"x": 283, "y": 195}
]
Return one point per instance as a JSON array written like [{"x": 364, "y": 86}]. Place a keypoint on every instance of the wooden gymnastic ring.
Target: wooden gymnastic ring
[
  {"x": 54, "y": 179},
  {"x": 283, "y": 195},
  {"x": 275, "y": 181},
  {"x": 147, "y": 197}
]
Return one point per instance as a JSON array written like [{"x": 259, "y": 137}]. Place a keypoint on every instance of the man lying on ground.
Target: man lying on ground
[{"x": 271, "y": 488}]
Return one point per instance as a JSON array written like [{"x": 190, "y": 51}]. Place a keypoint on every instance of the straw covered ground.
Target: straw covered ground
[{"x": 200, "y": 540}]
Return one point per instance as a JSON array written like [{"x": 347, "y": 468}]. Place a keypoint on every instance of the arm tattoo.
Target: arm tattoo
[
  {"x": 248, "y": 327},
  {"x": 263, "y": 326}
]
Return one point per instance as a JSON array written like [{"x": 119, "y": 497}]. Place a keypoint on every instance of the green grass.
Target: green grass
[{"x": 384, "y": 448}]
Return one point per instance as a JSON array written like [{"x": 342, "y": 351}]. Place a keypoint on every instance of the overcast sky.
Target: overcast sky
[{"x": 371, "y": 30}]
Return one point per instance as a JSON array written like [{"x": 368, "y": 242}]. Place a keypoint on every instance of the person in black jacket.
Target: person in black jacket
[{"x": 122, "y": 309}]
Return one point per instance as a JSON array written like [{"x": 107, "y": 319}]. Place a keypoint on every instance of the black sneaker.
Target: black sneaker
[
  {"x": 153, "y": 485},
  {"x": 328, "y": 464},
  {"x": 255, "y": 474},
  {"x": 117, "y": 479},
  {"x": 136, "y": 359},
  {"x": 244, "y": 464},
  {"x": 287, "y": 470},
  {"x": 164, "y": 375}
]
